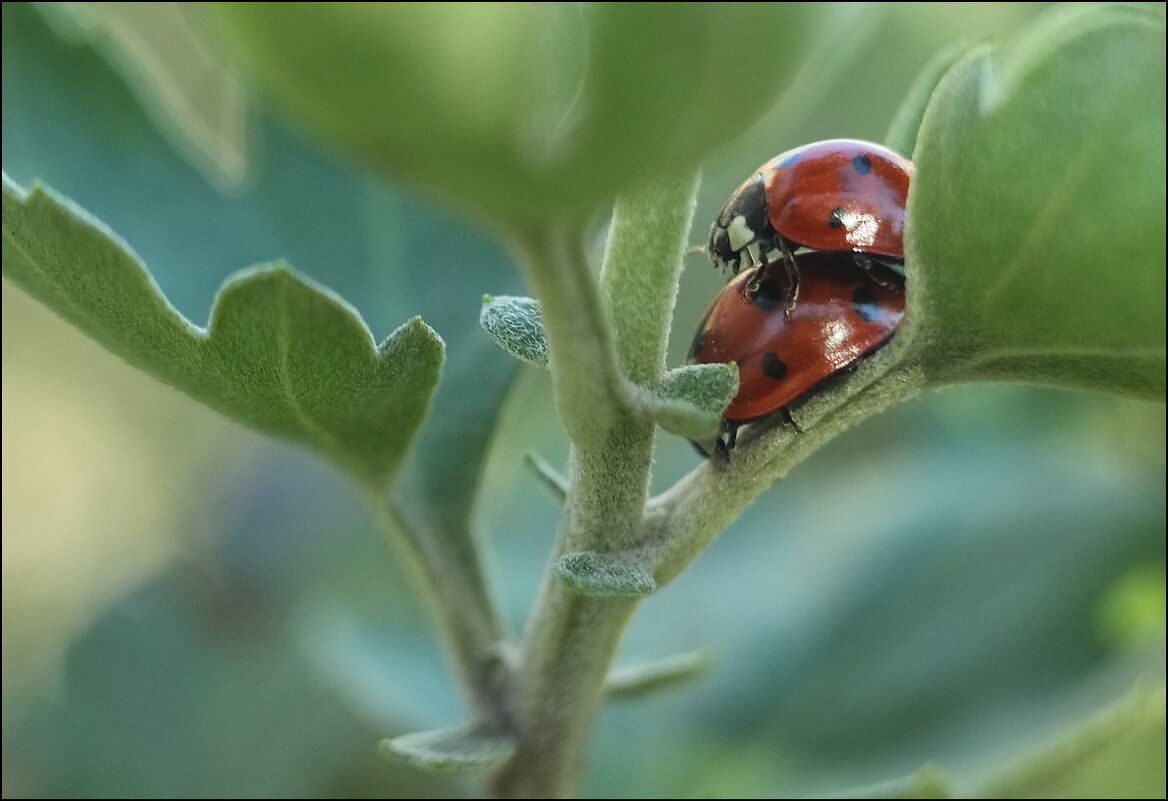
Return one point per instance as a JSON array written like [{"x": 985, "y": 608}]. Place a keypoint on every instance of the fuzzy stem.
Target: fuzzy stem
[
  {"x": 571, "y": 639},
  {"x": 589, "y": 390},
  {"x": 467, "y": 622},
  {"x": 684, "y": 519}
]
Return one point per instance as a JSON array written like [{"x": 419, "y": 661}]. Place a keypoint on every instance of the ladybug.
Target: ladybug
[
  {"x": 783, "y": 355},
  {"x": 838, "y": 195}
]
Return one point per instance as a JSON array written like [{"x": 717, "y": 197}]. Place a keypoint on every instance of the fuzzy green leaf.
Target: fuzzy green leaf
[
  {"x": 605, "y": 575},
  {"x": 460, "y": 748},
  {"x": 191, "y": 94},
  {"x": 520, "y": 111},
  {"x": 902, "y": 131},
  {"x": 649, "y": 678},
  {"x": 280, "y": 354},
  {"x": 1036, "y": 241},
  {"x": 1124, "y": 743},
  {"x": 517, "y": 325},
  {"x": 693, "y": 397}
]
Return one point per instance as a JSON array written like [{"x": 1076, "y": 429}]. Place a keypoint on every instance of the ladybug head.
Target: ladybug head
[{"x": 742, "y": 222}]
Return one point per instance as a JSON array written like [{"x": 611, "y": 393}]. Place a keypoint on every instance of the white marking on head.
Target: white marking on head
[
  {"x": 739, "y": 233},
  {"x": 861, "y": 228}
]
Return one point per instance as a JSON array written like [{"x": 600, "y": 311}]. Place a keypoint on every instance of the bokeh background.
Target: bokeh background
[{"x": 192, "y": 609}]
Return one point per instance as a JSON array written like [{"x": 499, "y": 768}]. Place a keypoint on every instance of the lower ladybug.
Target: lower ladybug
[
  {"x": 840, "y": 194},
  {"x": 784, "y": 354}
]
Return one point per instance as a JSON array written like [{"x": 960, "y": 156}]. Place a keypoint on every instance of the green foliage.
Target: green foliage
[
  {"x": 1035, "y": 247},
  {"x": 902, "y": 132},
  {"x": 1117, "y": 753},
  {"x": 548, "y": 476},
  {"x": 693, "y": 397},
  {"x": 455, "y": 749},
  {"x": 660, "y": 675},
  {"x": 688, "y": 402},
  {"x": 183, "y": 653},
  {"x": 279, "y": 354},
  {"x": 606, "y": 575},
  {"x": 522, "y": 111},
  {"x": 517, "y": 326},
  {"x": 191, "y": 94},
  {"x": 862, "y": 615}
]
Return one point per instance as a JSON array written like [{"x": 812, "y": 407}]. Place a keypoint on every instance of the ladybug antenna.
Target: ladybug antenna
[{"x": 697, "y": 249}]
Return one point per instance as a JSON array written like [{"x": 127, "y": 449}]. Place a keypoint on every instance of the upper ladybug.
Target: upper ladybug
[{"x": 839, "y": 194}]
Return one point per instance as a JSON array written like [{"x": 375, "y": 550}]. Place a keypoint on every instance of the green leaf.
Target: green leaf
[
  {"x": 606, "y": 575},
  {"x": 200, "y": 653},
  {"x": 70, "y": 122},
  {"x": 517, "y": 326},
  {"x": 190, "y": 93},
  {"x": 455, "y": 749},
  {"x": 928, "y": 782},
  {"x": 279, "y": 354},
  {"x": 902, "y": 131},
  {"x": 692, "y": 398},
  {"x": 1118, "y": 753},
  {"x": 550, "y": 478},
  {"x": 521, "y": 112},
  {"x": 649, "y": 678},
  {"x": 1036, "y": 241}
]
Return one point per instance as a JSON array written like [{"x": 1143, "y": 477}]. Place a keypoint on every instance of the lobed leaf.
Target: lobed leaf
[
  {"x": 1036, "y": 241},
  {"x": 520, "y": 112},
  {"x": 280, "y": 354}
]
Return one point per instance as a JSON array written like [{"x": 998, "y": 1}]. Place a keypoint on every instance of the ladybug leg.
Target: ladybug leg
[
  {"x": 725, "y": 443},
  {"x": 759, "y": 265},
  {"x": 722, "y": 445},
  {"x": 792, "y": 270},
  {"x": 789, "y": 420},
  {"x": 731, "y": 436},
  {"x": 888, "y": 274}
]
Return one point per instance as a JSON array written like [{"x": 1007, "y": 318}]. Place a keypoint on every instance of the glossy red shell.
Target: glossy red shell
[
  {"x": 840, "y": 194},
  {"x": 842, "y": 315}
]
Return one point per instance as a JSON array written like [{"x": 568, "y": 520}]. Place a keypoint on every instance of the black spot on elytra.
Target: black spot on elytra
[
  {"x": 767, "y": 296},
  {"x": 773, "y": 366},
  {"x": 699, "y": 341},
  {"x": 865, "y": 304},
  {"x": 836, "y": 219},
  {"x": 861, "y": 163}
]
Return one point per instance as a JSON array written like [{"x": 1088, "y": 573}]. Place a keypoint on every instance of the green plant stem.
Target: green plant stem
[
  {"x": 571, "y": 639},
  {"x": 466, "y": 619},
  {"x": 642, "y": 267},
  {"x": 684, "y": 519},
  {"x": 589, "y": 390},
  {"x": 570, "y": 644}
]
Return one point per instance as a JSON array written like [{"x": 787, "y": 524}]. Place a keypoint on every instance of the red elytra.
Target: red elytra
[
  {"x": 842, "y": 194},
  {"x": 839, "y": 194},
  {"x": 782, "y": 355}
]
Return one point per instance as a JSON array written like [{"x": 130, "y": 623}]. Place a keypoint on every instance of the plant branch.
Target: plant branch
[
  {"x": 571, "y": 639},
  {"x": 467, "y": 620},
  {"x": 589, "y": 390},
  {"x": 684, "y": 519},
  {"x": 642, "y": 266}
]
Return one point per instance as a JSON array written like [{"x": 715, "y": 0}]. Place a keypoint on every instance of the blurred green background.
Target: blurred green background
[{"x": 192, "y": 609}]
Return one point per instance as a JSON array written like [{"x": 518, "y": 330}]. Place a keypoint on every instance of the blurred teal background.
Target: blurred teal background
[{"x": 192, "y": 609}]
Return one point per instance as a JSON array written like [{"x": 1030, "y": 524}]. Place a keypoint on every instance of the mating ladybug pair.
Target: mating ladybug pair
[{"x": 821, "y": 229}]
